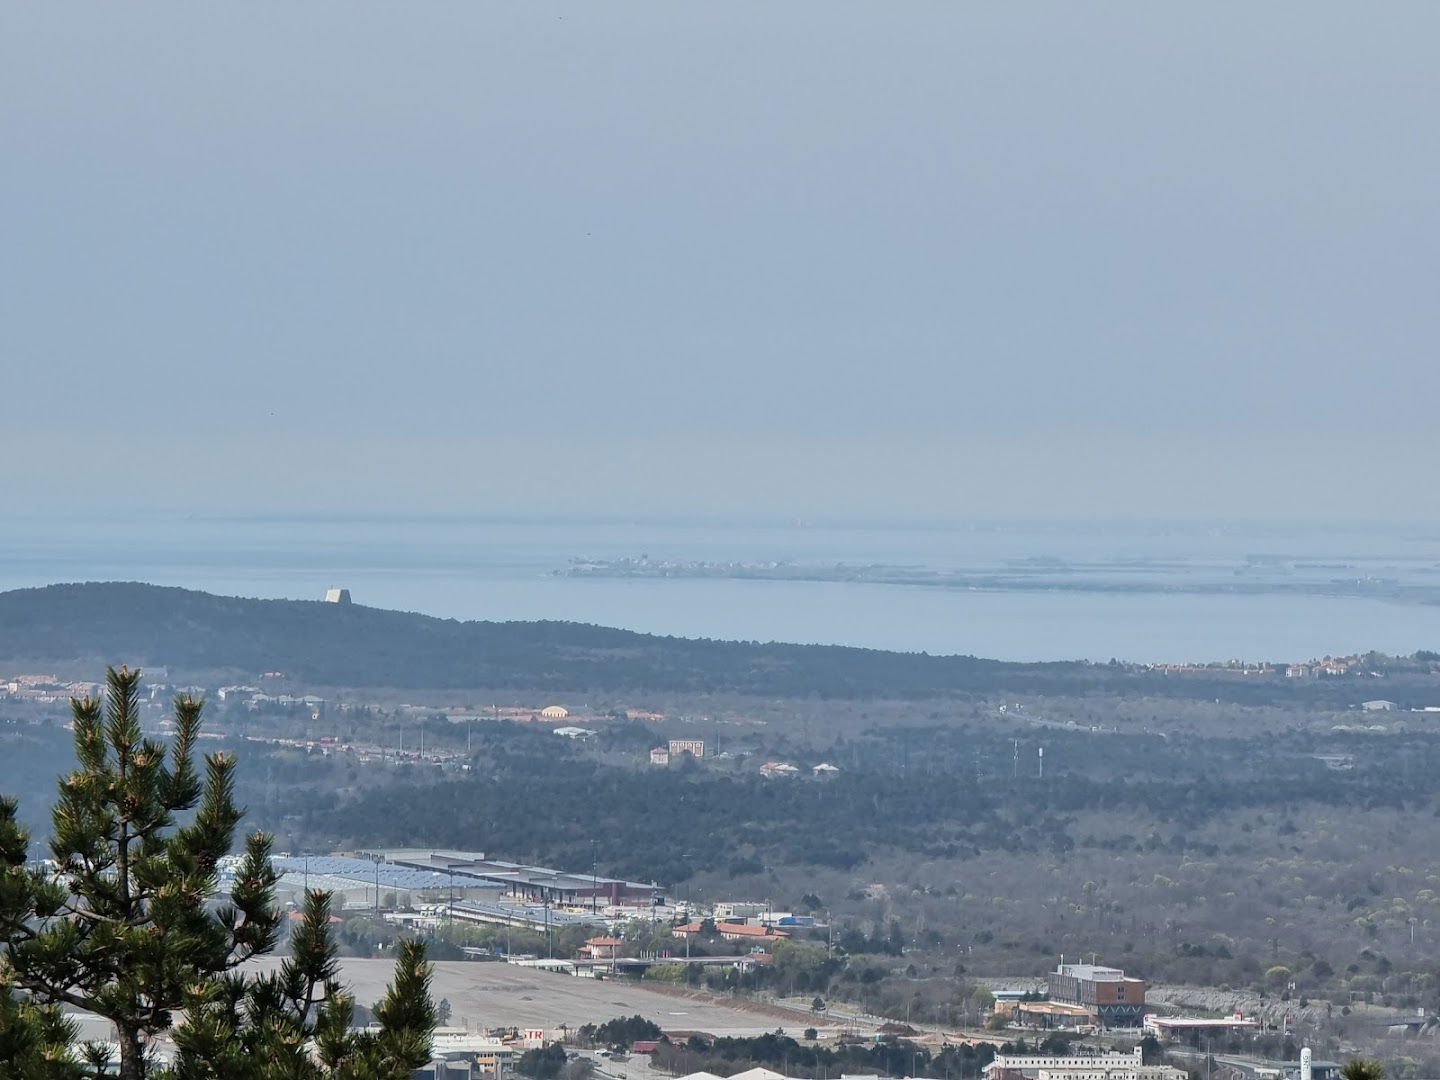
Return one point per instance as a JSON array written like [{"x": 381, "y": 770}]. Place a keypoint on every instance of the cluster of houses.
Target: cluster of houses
[
  {"x": 672, "y": 751},
  {"x": 664, "y": 755},
  {"x": 45, "y": 689},
  {"x": 774, "y": 769}
]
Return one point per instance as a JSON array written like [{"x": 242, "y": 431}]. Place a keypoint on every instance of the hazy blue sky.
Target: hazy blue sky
[{"x": 892, "y": 257}]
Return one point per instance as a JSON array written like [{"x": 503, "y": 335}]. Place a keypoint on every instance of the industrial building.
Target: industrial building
[
  {"x": 360, "y": 883},
  {"x": 527, "y": 915},
  {"x": 1116, "y": 1000},
  {"x": 518, "y": 881}
]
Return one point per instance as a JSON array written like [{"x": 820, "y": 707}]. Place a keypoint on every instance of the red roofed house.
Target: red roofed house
[
  {"x": 735, "y": 931},
  {"x": 601, "y": 948}
]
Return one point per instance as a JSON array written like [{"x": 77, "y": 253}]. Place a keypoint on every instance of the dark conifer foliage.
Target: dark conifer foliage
[{"x": 120, "y": 922}]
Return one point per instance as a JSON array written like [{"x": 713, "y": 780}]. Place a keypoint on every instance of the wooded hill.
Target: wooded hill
[
  {"x": 352, "y": 645},
  {"x": 348, "y": 645}
]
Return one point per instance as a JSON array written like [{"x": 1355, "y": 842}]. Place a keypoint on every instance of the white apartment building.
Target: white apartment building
[{"x": 1079, "y": 1067}]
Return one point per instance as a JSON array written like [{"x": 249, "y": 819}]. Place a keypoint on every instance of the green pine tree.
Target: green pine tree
[
  {"x": 35, "y": 1041},
  {"x": 1362, "y": 1069},
  {"x": 121, "y": 926},
  {"x": 294, "y": 1023}
]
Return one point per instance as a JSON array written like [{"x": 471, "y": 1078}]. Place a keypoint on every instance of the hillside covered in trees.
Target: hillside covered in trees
[{"x": 355, "y": 646}]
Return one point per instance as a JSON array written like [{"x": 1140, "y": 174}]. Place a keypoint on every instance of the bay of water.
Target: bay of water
[{"x": 504, "y": 569}]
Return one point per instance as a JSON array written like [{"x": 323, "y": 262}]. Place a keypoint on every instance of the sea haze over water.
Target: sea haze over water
[{"x": 1058, "y": 590}]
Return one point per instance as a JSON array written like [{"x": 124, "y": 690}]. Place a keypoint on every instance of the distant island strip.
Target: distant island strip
[{"x": 1254, "y": 577}]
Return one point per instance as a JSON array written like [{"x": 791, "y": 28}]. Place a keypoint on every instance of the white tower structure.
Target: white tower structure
[{"x": 1305, "y": 1068}]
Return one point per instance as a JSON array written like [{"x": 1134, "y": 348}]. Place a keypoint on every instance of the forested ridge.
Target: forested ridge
[{"x": 355, "y": 646}]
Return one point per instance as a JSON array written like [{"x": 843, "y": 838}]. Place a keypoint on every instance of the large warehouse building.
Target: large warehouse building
[{"x": 519, "y": 881}]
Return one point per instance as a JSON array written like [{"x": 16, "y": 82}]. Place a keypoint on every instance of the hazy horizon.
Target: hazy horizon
[{"x": 798, "y": 260}]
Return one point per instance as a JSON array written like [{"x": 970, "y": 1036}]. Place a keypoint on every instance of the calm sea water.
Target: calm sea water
[{"x": 503, "y": 569}]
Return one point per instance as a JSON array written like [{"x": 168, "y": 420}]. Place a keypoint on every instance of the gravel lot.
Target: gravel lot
[{"x": 486, "y": 995}]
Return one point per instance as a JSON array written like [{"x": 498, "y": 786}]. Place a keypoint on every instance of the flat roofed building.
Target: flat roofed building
[
  {"x": 1079, "y": 1067},
  {"x": 1172, "y": 1027},
  {"x": 518, "y": 880},
  {"x": 1013, "y": 994},
  {"x": 738, "y": 909},
  {"x": 1118, "y": 1001},
  {"x": 1048, "y": 1014}
]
